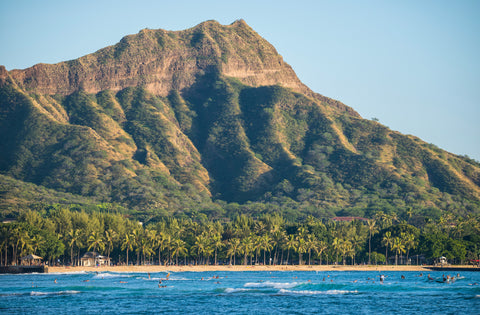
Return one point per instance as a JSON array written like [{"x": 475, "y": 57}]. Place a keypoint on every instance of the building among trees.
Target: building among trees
[{"x": 91, "y": 259}]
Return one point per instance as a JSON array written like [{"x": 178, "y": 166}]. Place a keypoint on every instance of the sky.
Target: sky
[{"x": 413, "y": 65}]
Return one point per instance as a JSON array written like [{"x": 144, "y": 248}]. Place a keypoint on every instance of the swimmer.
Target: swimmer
[
  {"x": 148, "y": 275},
  {"x": 55, "y": 281},
  {"x": 323, "y": 279},
  {"x": 123, "y": 282},
  {"x": 403, "y": 277},
  {"x": 355, "y": 281},
  {"x": 429, "y": 277},
  {"x": 382, "y": 277},
  {"x": 86, "y": 280}
]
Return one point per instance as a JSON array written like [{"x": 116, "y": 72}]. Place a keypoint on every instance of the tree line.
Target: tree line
[{"x": 62, "y": 235}]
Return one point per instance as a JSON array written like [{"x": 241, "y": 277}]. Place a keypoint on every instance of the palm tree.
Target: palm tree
[
  {"x": 166, "y": 245},
  {"x": 127, "y": 243},
  {"x": 319, "y": 248},
  {"x": 398, "y": 247},
  {"x": 24, "y": 242},
  {"x": 409, "y": 242},
  {"x": 233, "y": 245},
  {"x": 311, "y": 244},
  {"x": 372, "y": 229},
  {"x": 217, "y": 244},
  {"x": 246, "y": 247},
  {"x": 242, "y": 226},
  {"x": 266, "y": 245},
  {"x": 37, "y": 242},
  {"x": 345, "y": 247},
  {"x": 178, "y": 248},
  {"x": 135, "y": 236},
  {"x": 301, "y": 248},
  {"x": 279, "y": 237},
  {"x": 95, "y": 241},
  {"x": 151, "y": 236},
  {"x": 4, "y": 237},
  {"x": 145, "y": 248},
  {"x": 337, "y": 244},
  {"x": 355, "y": 240},
  {"x": 110, "y": 237},
  {"x": 74, "y": 239},
  {"x": 14, "y": 236},
  {"x": 291, "y": 243},
  {"x": 201, "y": 246},
  {"x": 387, "y": 241}
]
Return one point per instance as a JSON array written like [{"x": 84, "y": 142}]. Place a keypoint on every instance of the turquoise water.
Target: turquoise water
[{"x": 239, "y": 292}]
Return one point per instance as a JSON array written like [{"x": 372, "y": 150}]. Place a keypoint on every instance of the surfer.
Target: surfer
[{"x": 429, "y": 277}]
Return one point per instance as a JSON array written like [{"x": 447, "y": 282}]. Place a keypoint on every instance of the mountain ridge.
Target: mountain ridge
[{"x": 169, "y": 120}]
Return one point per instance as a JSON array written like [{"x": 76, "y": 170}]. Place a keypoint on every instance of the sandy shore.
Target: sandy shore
[{"x": 153, "y": 269}]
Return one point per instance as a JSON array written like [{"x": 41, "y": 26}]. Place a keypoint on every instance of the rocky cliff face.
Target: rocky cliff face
[
  {"x": 163, "y": 61},
  {"x": 171, "y": 120}
]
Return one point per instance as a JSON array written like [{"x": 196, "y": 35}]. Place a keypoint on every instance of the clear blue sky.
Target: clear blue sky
[{"x": 414, "y": 65}]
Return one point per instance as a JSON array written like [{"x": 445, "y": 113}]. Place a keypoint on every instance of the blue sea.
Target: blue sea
[{"x": 248, "y": 292}]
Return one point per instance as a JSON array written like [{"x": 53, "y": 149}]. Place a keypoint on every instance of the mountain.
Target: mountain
[{"x": 205, "y": 118}]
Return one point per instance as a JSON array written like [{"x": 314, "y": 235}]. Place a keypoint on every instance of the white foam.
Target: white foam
[
  {"x": 67, "y": 273},
  {"x": 36, "y": 293},
  {"x": 268, "y": 284},
  {"x": 310, "y": 292},
  {"x": 111, "y": 275}
]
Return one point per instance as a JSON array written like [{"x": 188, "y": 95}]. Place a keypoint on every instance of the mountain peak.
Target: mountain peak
[{"x": 163, "y": 60}]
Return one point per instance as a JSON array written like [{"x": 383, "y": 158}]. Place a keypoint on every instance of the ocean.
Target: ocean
[{"x": 247, "y": 292}]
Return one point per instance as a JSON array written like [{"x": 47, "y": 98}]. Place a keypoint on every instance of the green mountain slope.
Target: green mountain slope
[{"x": 175, "y": 121}]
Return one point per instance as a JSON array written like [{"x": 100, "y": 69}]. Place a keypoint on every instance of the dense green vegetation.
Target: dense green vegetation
[{"x": 63, "y": 235}]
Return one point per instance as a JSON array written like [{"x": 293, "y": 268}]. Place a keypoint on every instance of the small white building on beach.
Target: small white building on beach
[{"x": 92, "y": 259}]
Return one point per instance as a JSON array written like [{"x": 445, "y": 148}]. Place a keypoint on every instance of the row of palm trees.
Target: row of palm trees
[{"x": 66, "y": 235}]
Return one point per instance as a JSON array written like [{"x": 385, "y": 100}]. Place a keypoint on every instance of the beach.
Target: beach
[{"x": 207, "y": 268}]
